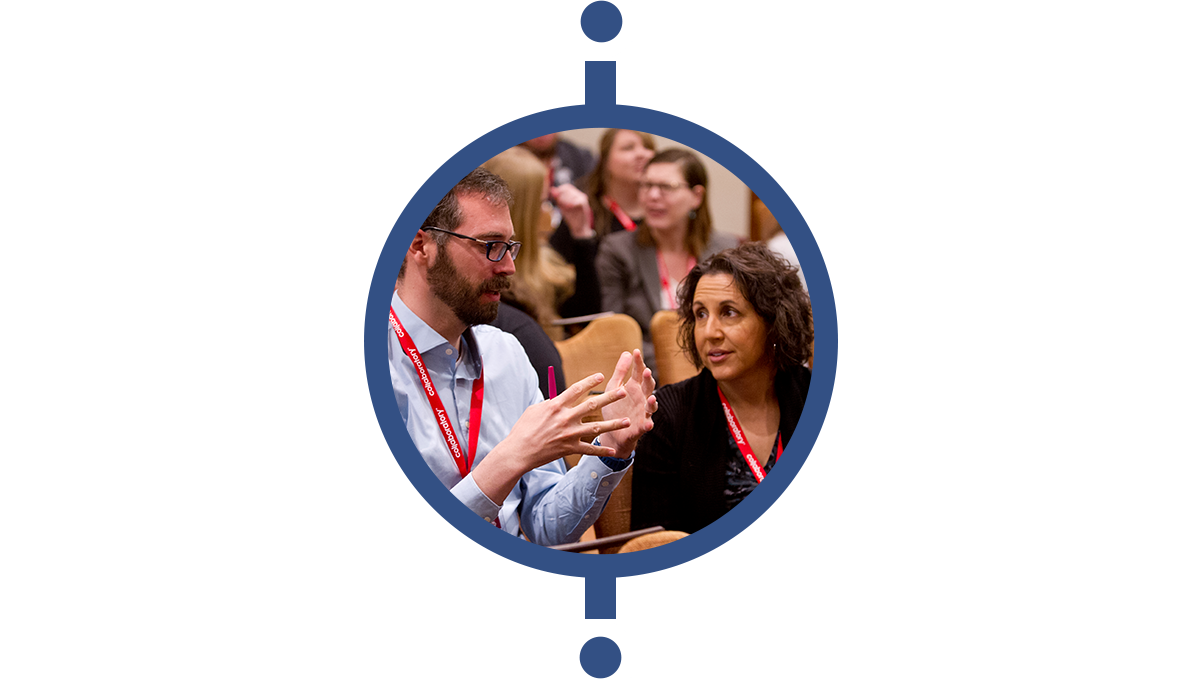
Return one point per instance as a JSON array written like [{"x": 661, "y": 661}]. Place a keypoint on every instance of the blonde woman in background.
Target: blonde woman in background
[{"x": 543, "y": 279}]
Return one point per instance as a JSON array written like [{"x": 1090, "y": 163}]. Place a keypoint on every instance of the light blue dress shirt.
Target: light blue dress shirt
[{"x": 551, "y": 504}]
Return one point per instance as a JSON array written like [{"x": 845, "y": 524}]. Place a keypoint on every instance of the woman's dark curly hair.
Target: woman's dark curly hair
[{"x": 771, "y": 285}]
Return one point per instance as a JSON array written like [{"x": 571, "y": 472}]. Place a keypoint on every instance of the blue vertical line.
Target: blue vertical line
[
  {"x": 600, "y": 597},
  {"x": 600, "y": 83}
]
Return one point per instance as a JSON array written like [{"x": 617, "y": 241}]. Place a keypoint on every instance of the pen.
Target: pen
[{"x": 553, "y": 387}]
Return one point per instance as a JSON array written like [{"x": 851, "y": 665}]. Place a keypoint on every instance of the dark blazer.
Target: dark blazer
[
  {"x": 679, "y": 471},
  {"x": 629, "y": 282},
  {"x": 582, "y": 254}
]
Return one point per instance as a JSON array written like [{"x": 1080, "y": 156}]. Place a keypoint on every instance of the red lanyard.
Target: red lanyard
[
  {"x": 439, "y": 410},
  {"x": 624, "y": 219},
  {"x": 664, "y": 278},
  {"x": 736, "y": 430}
]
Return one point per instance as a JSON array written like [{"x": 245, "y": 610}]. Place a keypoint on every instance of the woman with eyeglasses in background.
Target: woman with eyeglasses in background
[{"x": 640, "y": 269}]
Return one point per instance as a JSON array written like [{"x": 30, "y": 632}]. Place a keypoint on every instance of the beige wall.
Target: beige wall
[{"x": 728, "y": 197}]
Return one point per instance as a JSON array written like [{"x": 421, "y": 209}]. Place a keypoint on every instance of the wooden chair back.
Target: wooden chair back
[
  {"x": 652, "y": 540},
  {"x": 673, "y": 364},
  {"x": 596, "y": 349}
]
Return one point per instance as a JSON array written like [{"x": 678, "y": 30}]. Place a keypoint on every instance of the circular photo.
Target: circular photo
[{"x": 599, "y": 341}]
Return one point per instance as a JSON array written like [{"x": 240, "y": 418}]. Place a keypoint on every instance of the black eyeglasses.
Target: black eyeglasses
[{"x": 493, "y": 250}]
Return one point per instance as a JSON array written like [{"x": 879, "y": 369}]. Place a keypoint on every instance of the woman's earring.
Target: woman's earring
[{"x": 692, "y": 215}]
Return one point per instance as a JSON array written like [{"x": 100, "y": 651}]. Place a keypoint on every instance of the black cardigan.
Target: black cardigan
[{"x": 679, "y": 474}]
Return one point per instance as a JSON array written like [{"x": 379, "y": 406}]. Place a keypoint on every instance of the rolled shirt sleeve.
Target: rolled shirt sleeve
[{"x": 560, "y": 507}]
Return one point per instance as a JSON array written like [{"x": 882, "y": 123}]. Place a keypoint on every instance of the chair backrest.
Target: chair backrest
[
  {"x": 596, "y": 349},
  {"x": 618, "y": 513},
  {"x": 652, "y": 540},
  {"x": 673, "y": 364}
]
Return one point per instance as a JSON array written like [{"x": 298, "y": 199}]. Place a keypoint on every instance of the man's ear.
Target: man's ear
[{"x": 421, "y": 248}]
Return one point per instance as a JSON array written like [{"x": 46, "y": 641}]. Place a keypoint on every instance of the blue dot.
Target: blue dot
[
  {"x": 601, "y": 21},
  {"x": 600, "y": 657}
]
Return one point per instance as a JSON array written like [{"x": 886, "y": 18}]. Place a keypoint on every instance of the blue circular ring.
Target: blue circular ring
[{"x": 376, "y": 338}]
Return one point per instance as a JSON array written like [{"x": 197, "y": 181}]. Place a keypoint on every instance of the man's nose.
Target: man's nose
[{"x": 506, "y": 265}]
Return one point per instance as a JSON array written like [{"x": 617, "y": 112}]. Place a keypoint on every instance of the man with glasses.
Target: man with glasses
[{"x": 493, "y": 441}]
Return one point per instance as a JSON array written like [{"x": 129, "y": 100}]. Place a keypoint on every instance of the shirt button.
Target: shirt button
[
  {"x": 594, "y": 475},
  {"x": 487, "y": 519},
  {"x": 604, "y": 483},
  {"x": 449, "y": 351}
]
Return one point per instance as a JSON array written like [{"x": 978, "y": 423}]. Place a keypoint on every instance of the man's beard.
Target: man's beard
[{"x": 453, "y": 289}]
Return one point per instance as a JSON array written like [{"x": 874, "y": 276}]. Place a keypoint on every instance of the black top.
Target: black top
[
  {"x": 582, "y": 254},
  {"x": 682, "y": 473},
  {"x": 538, "y": 346},
  {"x": 739, "y": 478}
]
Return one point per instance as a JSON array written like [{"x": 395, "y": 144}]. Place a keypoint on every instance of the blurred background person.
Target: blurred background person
[
  {"x": 747, "y": 323},
  {"x": 639, "y": 270},
  {"x": 613, "y": 188},
  {"x": 543, "y": 280},
  {"x": 773, "y": 236},
  {"x": 612, "y": 205},
  {"x": 564, "y": 162}
]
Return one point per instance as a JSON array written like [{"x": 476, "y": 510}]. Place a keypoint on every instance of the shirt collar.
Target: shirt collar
[{"x": 426, "y": 339}]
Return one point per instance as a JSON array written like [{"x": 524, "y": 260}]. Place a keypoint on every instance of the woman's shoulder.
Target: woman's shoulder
[
  {"x": 791, "y": 386},
  {"x": 683, "y": 394},
  {"x": 617, "y": 244},
  {"x": 798, "y": 378},
  {"x": 618, "y": 239}
]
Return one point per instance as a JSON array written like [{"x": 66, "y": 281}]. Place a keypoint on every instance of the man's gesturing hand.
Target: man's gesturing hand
[
  {"x": 552, "y": 429},
  {"x": 637, "y": 407}
]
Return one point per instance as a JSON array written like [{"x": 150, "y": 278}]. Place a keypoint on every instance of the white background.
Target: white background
[{"x": 194, "y": 198}]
